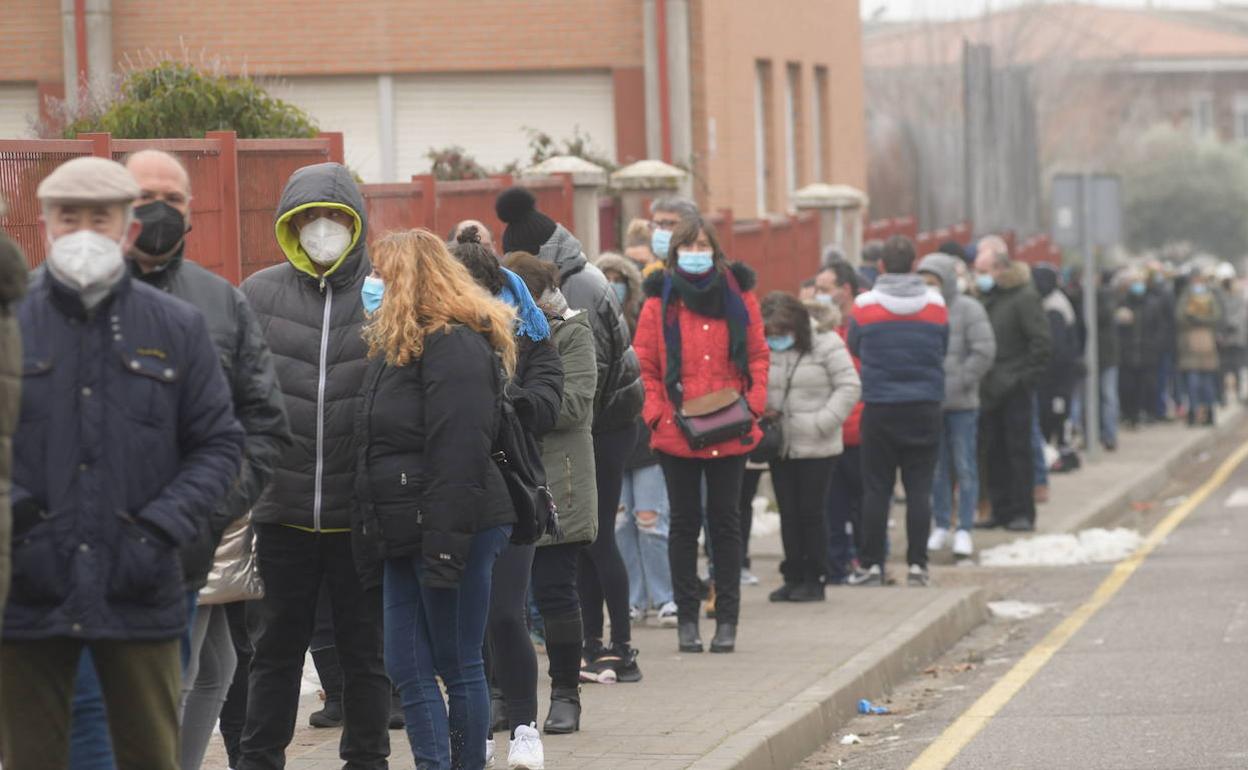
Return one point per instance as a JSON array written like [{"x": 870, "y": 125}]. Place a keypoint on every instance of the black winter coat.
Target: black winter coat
[
  {"x": 617, "y": 403},
  {"x": 312, "y": 324},
  {"x": 1142, "y": 341},
  {"x": 125, "y": 445},
  {"x": 425, "y": 476},
  {"x": 258, "y": 403},
  {"x": 536, "y": 390}
]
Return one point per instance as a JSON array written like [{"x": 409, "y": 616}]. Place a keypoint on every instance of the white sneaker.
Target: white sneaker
[
  {"x": 489, "y": 752},
  {"x": 636, "y": 614},
  {"x": 667, "y": 615},
  {"x": 962, "y": 544},
  {"x": 939, "y": 539},
  {"x": 748, "y": 578},
  {"x": 526, "y": 749}
]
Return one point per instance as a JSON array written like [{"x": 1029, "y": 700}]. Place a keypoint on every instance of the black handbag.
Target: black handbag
[
  {"x": 715, "y": 418},
  {"x": 771, "y": 444},
  {"x": 520, "y": 460}
]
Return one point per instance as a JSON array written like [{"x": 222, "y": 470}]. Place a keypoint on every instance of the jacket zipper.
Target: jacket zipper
[{"x": 320, "y": 406}]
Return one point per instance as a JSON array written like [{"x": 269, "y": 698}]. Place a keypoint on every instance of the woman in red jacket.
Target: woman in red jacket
[{"x": 701, "y": 333}]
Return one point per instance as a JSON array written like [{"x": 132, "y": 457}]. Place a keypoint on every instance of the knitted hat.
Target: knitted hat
[{"x": 527, "y": 228}]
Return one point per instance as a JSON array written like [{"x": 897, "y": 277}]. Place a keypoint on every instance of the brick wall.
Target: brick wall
[{"x": 30, "y": 42}]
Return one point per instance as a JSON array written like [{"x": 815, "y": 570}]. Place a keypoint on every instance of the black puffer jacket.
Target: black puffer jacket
[
  {"x": 536, "y": 390},
  {"x": 620, "y": 391},
  {"x": 258, "y": 404},
  {"x": 312, "y": 324},
  {"x": 425, "y": 478}
]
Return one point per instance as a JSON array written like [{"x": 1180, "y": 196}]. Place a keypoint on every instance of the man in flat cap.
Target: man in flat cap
[{"x": 126, "y": 442}]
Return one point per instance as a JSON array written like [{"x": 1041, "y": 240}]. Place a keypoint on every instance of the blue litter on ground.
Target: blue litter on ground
[{"x": 865, "y": 707}]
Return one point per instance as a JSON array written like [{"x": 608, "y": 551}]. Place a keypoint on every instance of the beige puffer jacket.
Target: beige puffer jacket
[{"x": 823, "y": 391}]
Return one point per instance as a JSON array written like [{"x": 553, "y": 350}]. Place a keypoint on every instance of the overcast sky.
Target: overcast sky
[{"x": 943, "y": 9}]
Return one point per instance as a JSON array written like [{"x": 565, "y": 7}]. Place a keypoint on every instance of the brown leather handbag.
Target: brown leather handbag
[{"x": 715, "y": 418}]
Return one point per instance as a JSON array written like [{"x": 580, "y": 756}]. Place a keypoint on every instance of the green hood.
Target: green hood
[{"x": 324, "y": 184}]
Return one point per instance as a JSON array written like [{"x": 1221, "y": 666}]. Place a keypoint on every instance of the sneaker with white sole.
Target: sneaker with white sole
[
  {"x": 489, "y": 752},
  {"x": 748, "y": 578},
  {"x": 962, "y": 543},
  {"x": 938, "y": 540},
  {"x": 918, "y": 576},
  {"x": 526, "y": 751},
  {"x": 873, "y": 576},
  {"x": 636, "y": 614},
  {"x": 667, "y": 615}
]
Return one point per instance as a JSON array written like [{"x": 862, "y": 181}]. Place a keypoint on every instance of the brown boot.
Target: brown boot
[{"x": 710, "y": 602}]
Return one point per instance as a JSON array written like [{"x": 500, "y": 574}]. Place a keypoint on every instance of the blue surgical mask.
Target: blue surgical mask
[
  {"x": 621, "y": 290},
  {"x": 985, "y": 282},
  {"x": 823, "y": 299},
  {"x": 660, "y": 239},
  {"x": 1200, "y": 288},
  {"x": 371, "y": 292},
  {"x": 1138, "y": 288},
  {"x": 695, "y": 262},
  {"x": 781, "y": 342}
]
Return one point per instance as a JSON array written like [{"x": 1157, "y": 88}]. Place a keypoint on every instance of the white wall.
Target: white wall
[
  {"x": 347, "y": 104},
  {"x": 19, "y": 106}
]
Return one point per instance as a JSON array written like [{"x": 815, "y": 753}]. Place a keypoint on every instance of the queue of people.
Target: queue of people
[{"x": 385, "y": 453}]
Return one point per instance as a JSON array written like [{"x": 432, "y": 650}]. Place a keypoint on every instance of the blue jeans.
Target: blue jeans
[
  {"x": 438, "y": 632},
  {"x": 958, "y": 454},
  {"x": 1202, "y": 389},
  {"x": 1108, "y": 384},
  {"x": 90, "y": 746},
  {"x": 1037, "y": 446},
  {"x": 644, "y": 547}
]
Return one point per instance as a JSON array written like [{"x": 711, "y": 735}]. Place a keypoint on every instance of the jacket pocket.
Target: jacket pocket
[
  {"x": 146, "y": 391},
  {"x": 41, "y": 572},
  {"x": 145, "y": 570}
]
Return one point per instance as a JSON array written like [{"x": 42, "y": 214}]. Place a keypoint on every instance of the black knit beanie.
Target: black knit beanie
[{"x": 527, "y": 228}]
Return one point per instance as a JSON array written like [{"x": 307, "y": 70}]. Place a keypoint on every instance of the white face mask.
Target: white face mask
[
  {"x": 85, "y": 260},
  {"x": 325, "y": 240}
]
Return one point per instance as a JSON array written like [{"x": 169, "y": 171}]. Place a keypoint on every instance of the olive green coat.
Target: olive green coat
[
  {"x": 568, "y": 450},
  {"x": 12, "y": 287}
]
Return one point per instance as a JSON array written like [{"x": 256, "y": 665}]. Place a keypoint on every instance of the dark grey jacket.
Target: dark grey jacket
[
  {"x": 258, "y": 404},
  {"x": 617, "y": 402},
  {"x": 312, "y": 324}
]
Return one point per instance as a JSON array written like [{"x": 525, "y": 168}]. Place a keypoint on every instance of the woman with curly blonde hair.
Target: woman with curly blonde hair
[{"x": 433, "y": 509}]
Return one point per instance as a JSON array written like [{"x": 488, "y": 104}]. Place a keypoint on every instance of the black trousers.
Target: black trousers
[
  {"x": 294, "y": 564},
  {"x": 511, "y": 663},
  {"x": 903, "y": 437},
  {"x": 723, "y": 517},
  {"x": 1137, "y": 387},
  {"x": 234, "y": 712},
  {"x": 845, "y": 507},
  {"x": 801, "y": 487},
  {"x": 1005, "y": 435},
  {"x": 602, "y": 575},
  {"x": 749, "y": 490},
  {"x": 555, "y": 593}
]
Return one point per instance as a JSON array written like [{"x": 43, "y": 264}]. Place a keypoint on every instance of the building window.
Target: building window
[
  {"x": 763, "y": 140},
  {"x": 1241, "y": 116},
  {"x": 794, "y": 149},
  {"x": 1202, "y": 113},
  {"x": 820, "y": 170}
]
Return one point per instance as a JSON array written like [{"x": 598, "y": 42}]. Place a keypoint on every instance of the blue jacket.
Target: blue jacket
[
  {"x": 125, "y": 444},
  {"x": 899, "y": 331}
]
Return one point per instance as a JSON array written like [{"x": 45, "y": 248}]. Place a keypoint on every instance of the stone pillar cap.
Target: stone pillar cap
[
  {"x": 648, "y": 175},
  {"x": 829, "y": 196},
  {"x": 583, "y": 172}
]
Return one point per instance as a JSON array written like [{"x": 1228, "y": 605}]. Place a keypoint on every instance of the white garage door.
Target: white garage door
[
  {"x": 346, "y": 104},
  {"x": 19, "y": 105},
  {"x": 487, "y": 113}
]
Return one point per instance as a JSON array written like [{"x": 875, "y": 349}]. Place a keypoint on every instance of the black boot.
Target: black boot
[
  {"x": 725, "y": 639},
  {"x": 565, "y": 711},
  {"x": 688, "y": 637},
  {"x": 810, "y": 591},
  {"x": 783, "y": 594},
  {"x": 397, "y": 720},
  {"x": 329, "y": 671}
]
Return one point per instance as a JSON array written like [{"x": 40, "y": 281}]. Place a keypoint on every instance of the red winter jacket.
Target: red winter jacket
[
  {"x": 850, "y": 432},
  {"x": 705, "y": 366}
]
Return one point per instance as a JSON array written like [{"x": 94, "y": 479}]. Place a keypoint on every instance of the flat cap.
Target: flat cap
[{"x": 89, "y": 180}]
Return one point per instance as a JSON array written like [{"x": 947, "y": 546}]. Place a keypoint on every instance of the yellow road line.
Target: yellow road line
[{"x": 956, "y": 737}]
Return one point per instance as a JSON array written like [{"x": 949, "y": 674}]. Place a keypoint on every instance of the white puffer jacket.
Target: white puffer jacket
[{"x": 823, "y": 391}]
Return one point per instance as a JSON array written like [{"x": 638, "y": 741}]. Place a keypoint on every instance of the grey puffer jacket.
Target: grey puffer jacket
[
  {"x": 620, "y": 393},
  {"x": 972, "y": 345},
  {"x": 312, "y": 324},
  {"x": 823, "y": 388}
]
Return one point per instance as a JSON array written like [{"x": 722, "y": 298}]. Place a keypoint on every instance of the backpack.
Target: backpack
[{"x": 519, "y": 458}]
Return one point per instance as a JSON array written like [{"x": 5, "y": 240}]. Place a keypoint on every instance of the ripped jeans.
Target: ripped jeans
[{"x": 642, "y": 542}]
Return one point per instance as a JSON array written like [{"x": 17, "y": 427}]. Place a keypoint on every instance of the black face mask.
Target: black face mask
[{"x": 164, "y": 227}]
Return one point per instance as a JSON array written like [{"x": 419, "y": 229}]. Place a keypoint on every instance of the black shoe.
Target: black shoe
[
  {"x": 330, "y": 715},
  {"x": 918, "y": 576},
  {"x": 812, "y": 591},
  {"x": 687, "y": 636},
  {"x": 626, "y": 668},
  {"x": 725, "y": 639},
  {"x": 498, "y": 712},
  {"x": 872, "y": 576},
  {"x": 990, "y": 524},
  {"x": 397, "y": 720},
  {"x": 329, "y": 671},
  {"x": 590, "y": 654},
  {"x": 783, "y": 594},
  {"x": 1021, "y": 524},
  {"x": 565, "y": 711}
]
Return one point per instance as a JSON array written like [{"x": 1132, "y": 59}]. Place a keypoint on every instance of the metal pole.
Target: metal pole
[{"x": 1092, "y": 387}]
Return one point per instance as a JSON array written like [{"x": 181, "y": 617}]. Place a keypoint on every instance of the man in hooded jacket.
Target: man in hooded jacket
[{"x": 311, "y": 312}]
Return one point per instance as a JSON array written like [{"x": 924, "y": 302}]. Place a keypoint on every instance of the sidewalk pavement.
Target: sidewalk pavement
[{"x": 799, "y": 670}]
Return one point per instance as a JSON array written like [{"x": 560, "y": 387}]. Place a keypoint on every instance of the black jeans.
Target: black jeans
[
  {"x": 554, "y": 592},
  {"x": 801, "y": 493},
  {"x": 1005, "y": 435},
  {"x": 905, "y": 437},
  {"x": 294, "y": 564},
  {"x": 1136, "y": 388},
  {"x": 749, "y": 490},
  {"x": 234, "y": 712},
  {"x": 844, "y": 513},
  {"x": 512, "y": 663},
  {"x": 723, "y": 490},
  {"x": 603, "y": 576}
]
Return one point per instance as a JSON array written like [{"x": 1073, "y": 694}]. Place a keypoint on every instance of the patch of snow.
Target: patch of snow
[
  {"x": 1010, "y": 609},
  {"x": 1091, "y": 546},
  {"x": 766, "y": 522},
  {"x": 311, "y": 683},
  {"x": 850, "y": 739}
]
